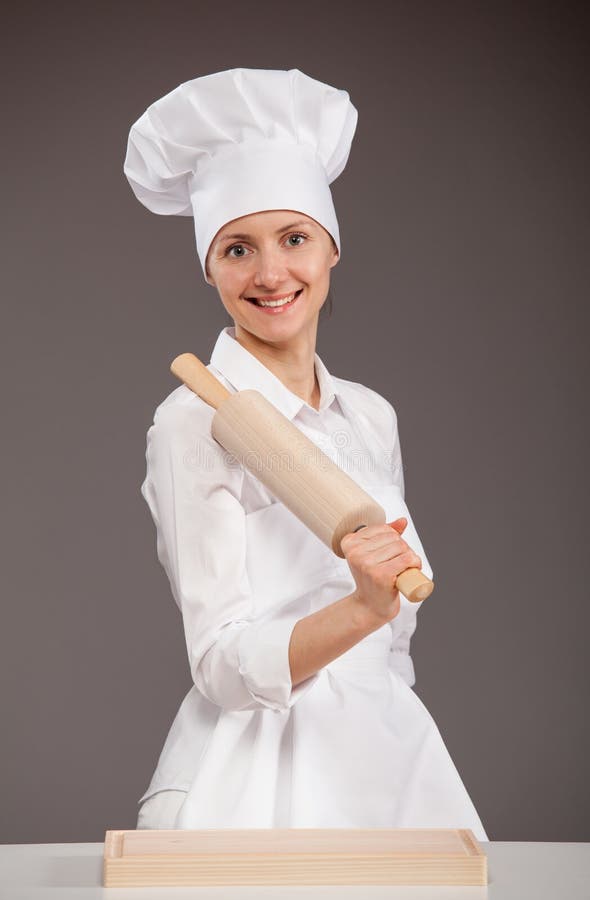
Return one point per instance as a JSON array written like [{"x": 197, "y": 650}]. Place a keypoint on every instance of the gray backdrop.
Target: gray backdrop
[{"x": 464, "y": 220}]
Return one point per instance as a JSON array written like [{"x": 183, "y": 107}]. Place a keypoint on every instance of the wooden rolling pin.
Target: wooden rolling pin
[{"x": 327, "y": 500}]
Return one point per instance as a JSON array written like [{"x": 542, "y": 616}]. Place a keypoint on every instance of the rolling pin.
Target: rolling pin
[{"x": 316, "y": 490}]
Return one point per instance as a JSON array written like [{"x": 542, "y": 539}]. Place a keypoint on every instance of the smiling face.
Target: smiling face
[{"x": 268, "y": 256}]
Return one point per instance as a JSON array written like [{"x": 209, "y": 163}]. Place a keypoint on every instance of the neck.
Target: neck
[{"x": 291, "y": 361}]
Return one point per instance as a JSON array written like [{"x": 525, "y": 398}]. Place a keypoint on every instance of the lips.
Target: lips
[{"x": 273, "y": 297}]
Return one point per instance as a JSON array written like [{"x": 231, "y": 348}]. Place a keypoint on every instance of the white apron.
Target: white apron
[{"x": 359, "y": 749}]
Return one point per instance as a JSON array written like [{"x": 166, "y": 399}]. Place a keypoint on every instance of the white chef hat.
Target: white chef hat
[{"x": 241, "y": 141}]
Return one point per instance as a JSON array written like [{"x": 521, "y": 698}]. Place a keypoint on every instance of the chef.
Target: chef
[{"x": 302, "y": 712}]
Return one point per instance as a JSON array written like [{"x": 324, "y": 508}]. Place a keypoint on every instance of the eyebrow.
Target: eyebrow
[{"x": 246, "y": 237}]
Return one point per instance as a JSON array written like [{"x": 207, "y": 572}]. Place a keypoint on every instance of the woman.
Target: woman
[{"x": 302, "y": 712}]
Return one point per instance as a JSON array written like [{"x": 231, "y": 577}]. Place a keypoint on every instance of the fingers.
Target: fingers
[
  {"x": 375, "y": 535},
  {"x": 369, "y": 531},
  {"x": 408, "y": 560},
  {"x": 398, "y": 524},
  {"x": 378, "y": 535},
  {"x": 382, "y": 545},
  {"x": 399, "y": 551}
]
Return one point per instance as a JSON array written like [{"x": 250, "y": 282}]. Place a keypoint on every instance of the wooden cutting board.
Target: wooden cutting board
[{"x": 176, "y": 857}]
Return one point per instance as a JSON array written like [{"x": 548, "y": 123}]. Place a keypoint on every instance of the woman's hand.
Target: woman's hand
[{"x": 376, "y": 555}]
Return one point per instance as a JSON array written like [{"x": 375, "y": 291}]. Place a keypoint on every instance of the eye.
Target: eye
[
  {"x": 297, "y": 234},
  {"x": 235, "y": 247}
]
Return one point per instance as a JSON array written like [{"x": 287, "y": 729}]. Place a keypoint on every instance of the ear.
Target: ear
[{"x": 335, "y": 257}]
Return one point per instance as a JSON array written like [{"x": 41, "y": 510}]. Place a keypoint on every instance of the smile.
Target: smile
[{"x": 275, "y": 305}]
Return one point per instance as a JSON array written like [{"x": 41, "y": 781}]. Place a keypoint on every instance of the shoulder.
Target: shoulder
[
  {"x": 181, "y": 432},
  {"x": 179, "y": 442},
  {"x": 368, "y": 402},
  {"x": 182, "y": 402},
  {"x": 182, "y": 407},
  {"x": 181, "y": 414}
]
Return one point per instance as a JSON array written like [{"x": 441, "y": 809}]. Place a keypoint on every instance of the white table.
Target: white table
[{"x": 516, "y": 871}]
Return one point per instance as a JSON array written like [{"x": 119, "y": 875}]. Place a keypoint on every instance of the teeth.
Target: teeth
[{"x": 276, "y": 302}]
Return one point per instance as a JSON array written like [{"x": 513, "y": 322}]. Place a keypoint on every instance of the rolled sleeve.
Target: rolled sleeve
[
  {"x": 238, "y": 660},
  {"x": 263, "y": 653}
]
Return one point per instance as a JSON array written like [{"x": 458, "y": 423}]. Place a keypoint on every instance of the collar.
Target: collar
[{"x": 243, "y": 371}]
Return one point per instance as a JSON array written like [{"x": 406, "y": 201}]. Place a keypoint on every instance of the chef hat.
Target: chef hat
[{"x": 240, "y": 141}]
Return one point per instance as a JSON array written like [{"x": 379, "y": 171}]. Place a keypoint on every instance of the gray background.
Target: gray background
[{"x": 459, "y": 297}]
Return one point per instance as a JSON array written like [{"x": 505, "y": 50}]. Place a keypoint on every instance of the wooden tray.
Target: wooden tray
[{"x": 293, "y": 856}]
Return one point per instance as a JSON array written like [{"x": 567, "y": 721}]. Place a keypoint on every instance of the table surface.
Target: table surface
[{"x": 516, "y": 871}]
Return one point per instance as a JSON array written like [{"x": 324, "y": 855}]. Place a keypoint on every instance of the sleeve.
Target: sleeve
[
  {"x": 397, "y": 468},
  {"x": 237, "y": 660},
  {"x": 400, "y": 658}
]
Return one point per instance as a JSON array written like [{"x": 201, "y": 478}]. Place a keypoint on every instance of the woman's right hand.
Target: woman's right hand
[{"x": 376, "y": 555}]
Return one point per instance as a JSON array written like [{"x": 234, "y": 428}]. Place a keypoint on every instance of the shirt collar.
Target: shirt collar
[{"x": 243, "y": 371}]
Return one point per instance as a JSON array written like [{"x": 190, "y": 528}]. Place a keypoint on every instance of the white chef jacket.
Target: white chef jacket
[{"x": 352, "y": 745}]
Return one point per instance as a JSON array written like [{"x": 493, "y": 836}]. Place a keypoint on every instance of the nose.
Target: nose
[{"x": 270, "y": 268}]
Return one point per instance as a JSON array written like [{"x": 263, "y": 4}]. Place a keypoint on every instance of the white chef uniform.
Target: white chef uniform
[{"x": 351, "y": 746}]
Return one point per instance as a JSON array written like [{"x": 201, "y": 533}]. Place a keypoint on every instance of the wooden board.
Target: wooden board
[{"x": 293, "y": 856}]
